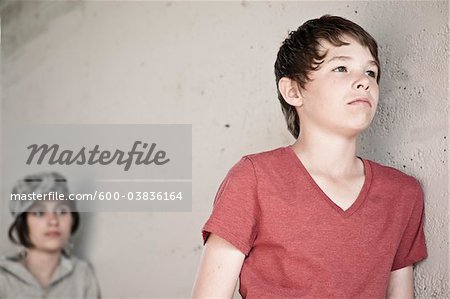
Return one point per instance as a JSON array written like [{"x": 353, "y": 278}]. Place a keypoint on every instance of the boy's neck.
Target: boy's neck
[{"x": 332, "y": 155}]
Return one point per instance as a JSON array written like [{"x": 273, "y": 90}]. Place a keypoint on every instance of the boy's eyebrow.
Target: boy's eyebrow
[
  {"x": 339, "y": 58},
  {"x": 346, "y": 58}
]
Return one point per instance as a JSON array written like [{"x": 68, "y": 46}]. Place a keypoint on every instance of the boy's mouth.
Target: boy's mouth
[{"x": 359, "y": 101}]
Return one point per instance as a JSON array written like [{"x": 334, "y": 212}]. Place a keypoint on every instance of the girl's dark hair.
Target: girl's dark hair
[
  {"x": 20, "y": 228},
  {"x": 300, "y": 54}
]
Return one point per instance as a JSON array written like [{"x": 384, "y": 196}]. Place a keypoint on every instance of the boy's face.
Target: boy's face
[{"x": 342, "y": 95}]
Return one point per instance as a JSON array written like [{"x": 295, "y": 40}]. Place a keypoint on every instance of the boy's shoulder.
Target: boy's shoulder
[
  {"x": 391, "y": 175},
  {"x": 267, "y": 155}
]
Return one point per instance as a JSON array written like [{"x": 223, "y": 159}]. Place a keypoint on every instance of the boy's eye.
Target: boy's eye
[
  {"x": 371, "y": 74},
  {"x": 340, "y": 69}
]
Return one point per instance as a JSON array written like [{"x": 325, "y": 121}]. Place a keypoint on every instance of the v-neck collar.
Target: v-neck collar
[{"x": 361, "y": 196}]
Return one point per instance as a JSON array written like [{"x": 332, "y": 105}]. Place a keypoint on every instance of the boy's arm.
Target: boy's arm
[
  {"x": 219, "y": 269},
  {"x": 401, "y": 284}
]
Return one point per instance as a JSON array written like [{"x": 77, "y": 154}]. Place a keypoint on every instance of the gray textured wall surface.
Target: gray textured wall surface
[{"x": 211, "y": 64}]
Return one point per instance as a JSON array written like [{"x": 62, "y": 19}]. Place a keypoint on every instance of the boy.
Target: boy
[{"x": 313, "y": 220}]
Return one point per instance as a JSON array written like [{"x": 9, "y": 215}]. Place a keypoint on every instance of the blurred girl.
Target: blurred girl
[{"x": 45, "y": 269}]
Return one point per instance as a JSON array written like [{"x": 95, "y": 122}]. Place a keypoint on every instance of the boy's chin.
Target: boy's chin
[
  {"x": 354, "y": 131},
  {"x": 360, "y": 126}
]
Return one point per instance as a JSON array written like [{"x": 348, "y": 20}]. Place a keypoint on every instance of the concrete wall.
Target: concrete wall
[{"x": 211, "y": 65}]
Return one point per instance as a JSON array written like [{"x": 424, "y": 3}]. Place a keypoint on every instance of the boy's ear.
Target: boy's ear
[{"x": 290, "y": 91}]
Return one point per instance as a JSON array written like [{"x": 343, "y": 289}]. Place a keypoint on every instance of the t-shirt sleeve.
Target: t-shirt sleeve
[
  {"x": 235, "y": 212},
  {"x": 412, "y": 248}
]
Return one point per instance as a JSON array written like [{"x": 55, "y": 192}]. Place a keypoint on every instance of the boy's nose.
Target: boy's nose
[
  {"x": 364, "y": 86},
  {"x": 362, "y": 82}
]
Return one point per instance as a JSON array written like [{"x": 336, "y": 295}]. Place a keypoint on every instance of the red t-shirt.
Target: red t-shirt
[{"x": 299, "y": 243}]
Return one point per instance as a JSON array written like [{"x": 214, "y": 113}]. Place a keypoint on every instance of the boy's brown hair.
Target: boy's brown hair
[{"x": 300, "y": 54}]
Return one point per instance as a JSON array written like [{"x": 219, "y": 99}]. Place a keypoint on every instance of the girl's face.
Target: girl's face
[{"x": 49, "y": 225}]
